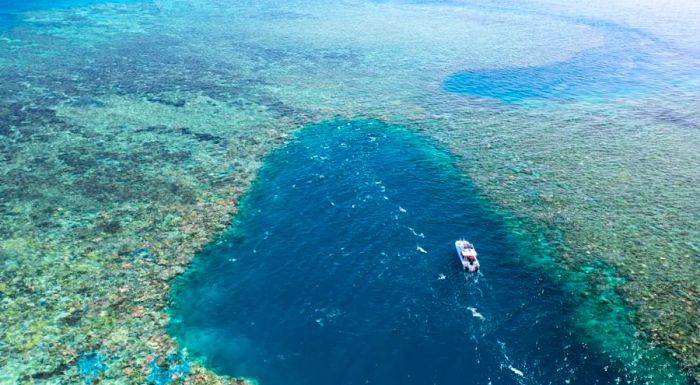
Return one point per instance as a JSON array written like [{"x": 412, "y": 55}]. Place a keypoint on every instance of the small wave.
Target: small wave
[
  {"x": 413, "y": 231},
  {"x": 508, "y": 361},
  {"x": 516, "y": 371},
  {"x": 422, "y": 250},
  {"x": 476, "y": 314}
]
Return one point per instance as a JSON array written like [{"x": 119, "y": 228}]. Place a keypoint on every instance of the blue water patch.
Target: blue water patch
[
  {"x": 90, "y": 365},
  {"x": 175, "y": 367},
  {"x": 5, "y": 19},
  {"x": 13, "y": 6},
  {"x": 341, "y": 269},
  {"x": 629, "y": 62},
  {"x": 9, "y": 8}
]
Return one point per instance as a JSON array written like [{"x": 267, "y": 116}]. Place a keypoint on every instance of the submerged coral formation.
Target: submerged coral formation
[
  {"x": 129, "y": 132},
  {"x": 93, "y": 236}
]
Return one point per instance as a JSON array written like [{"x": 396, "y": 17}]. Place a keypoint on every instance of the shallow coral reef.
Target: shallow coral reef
[{"x": 129, "y": 132}]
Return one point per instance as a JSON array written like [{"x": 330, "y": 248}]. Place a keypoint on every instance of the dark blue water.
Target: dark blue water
[
  {"x": 629, "y": 62},
  {"x": 8, "y": 8},
  {"x": 340, "y": 269}
]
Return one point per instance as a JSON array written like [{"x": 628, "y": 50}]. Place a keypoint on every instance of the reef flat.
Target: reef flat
[
  {"x": 92, "y": 236},
  {"x": 129, "y": 132}
]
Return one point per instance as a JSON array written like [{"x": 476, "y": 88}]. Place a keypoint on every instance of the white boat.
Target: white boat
[{"x": 467, "y": 255}]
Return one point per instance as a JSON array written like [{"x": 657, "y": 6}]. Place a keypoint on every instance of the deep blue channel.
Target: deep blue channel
[{"x": 340, "y": 269}]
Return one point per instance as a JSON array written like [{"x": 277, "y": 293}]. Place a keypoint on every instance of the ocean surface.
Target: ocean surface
[
  {"x": 197, "y": 191},
  {"x": 9, "y": 8},
  {"x": 341, "y": 268},
  {"x": 631, "y": 62}
]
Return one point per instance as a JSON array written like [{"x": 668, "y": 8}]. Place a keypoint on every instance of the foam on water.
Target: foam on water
[{"x": 328, "y": 285}]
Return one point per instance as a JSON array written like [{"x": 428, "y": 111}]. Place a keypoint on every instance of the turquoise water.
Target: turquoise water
[
  {"x": 629, "y": 62},
  {"x": 129, "y": 133},
  {"x": 341, "y": 268},
  {"x": 9, "y": 8}
]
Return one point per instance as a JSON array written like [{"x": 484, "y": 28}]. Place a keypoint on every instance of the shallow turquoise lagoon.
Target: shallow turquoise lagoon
[{"x": 340, "y": 268}]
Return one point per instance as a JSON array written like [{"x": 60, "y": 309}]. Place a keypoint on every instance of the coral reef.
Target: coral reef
[{"x": 129, "y": 132}]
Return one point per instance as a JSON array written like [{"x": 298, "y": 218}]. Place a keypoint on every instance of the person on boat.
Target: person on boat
[
  {"x": 468, "y": 252},
  {"x": 473, "y": 264}
]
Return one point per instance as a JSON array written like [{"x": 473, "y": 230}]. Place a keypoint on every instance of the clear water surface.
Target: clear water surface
[
  {"x": 340, "y": 268},
  {"x": 630, "y": 62},
  {"x": 9, "y": 8}
]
